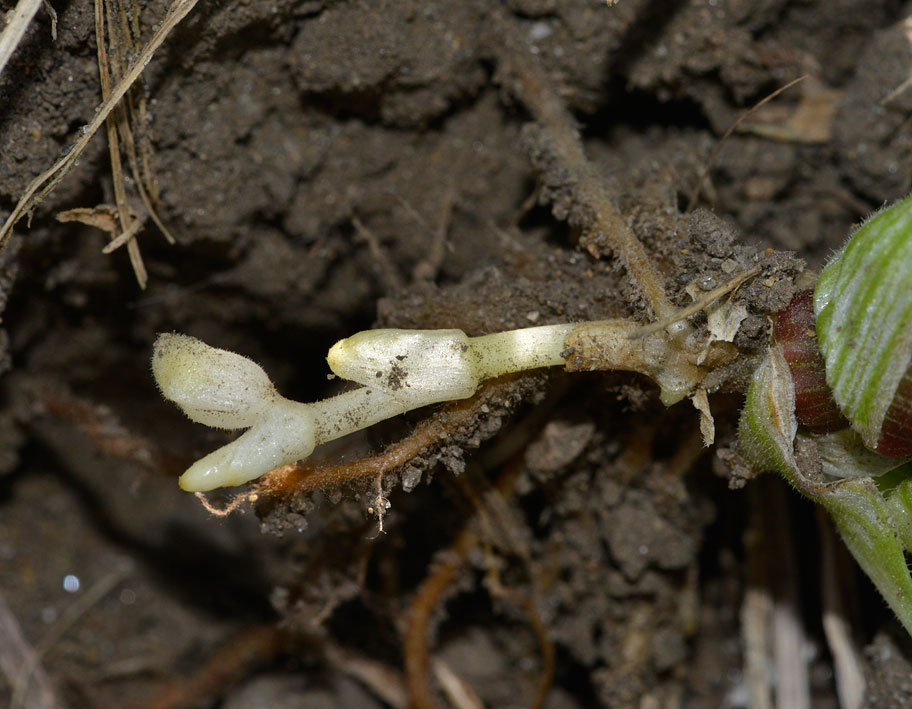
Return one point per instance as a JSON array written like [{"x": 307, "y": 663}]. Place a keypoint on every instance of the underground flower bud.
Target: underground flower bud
[
  {"x": 212, "y": 386},
  {"x": 424, "y": 367},
  {"x": 418, "y": 366}
]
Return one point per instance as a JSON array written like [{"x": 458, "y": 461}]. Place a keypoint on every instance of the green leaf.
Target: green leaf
[{"x": 863, "y": 303}]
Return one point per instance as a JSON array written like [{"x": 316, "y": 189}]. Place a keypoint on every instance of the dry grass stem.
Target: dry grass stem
[
  {"x": 757, "y": 610},
  {"x": 789, "y": 640},
  {"x": 42, "y": 185},
  {"x": 457, "y": 690},
  {"x": 132, "y": 113},
  {"x": 52, "y": 13},
  {"x": 696, "y": 306},
  {"x": 74, "y": 612},
  {"x": 899, "y": 89},
  {"x": 129, "y": 224},
  {"x": 381, "y": 679},
  {"x": 847, "y": 663},
  {"x": 21, "y": 664},
  {"x": 12, "y": 34}
]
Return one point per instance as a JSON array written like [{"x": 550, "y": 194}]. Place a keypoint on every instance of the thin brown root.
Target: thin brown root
[
  {"x": 233, "y": 505},
  {"x": 379, "y": 505},
  {"x": 594, "y": 212},
  {"x": 236, "y": 659},
  {"x": 497, "y": 504},
  {"x": 429, "y": 266},
  {"x": 387, "y": 269},
  {"x": 304, "y": 476},
  {"x": 697, "y": 306},
  {"x": 695, "y": 195},
  {"x": 107, "y": 434},
  {"x": 546, "y": 647},
  {"x": 42, "y": 185},
  {"x": 416, "y": 641}
]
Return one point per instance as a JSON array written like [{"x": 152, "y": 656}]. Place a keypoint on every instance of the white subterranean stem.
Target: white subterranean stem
[
  {"x": 400, "y": 370},
  {"x": 289, "y": 431},
  {"x": 429, "y": 366}
]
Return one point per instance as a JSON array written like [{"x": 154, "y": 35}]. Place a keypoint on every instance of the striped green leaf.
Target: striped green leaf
[{"x": 863, "y": 304}]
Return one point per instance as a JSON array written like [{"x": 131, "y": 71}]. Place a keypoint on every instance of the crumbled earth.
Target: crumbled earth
[{"x": 328, "y": 166}]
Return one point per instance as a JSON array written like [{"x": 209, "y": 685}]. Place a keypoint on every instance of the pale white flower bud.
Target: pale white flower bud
[
  {"x": 213, "y": 387},
  {"x": 418, "y": 366}
]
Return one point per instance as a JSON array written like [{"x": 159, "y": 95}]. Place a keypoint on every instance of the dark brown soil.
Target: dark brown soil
[{"x": 332, "y": 166}]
